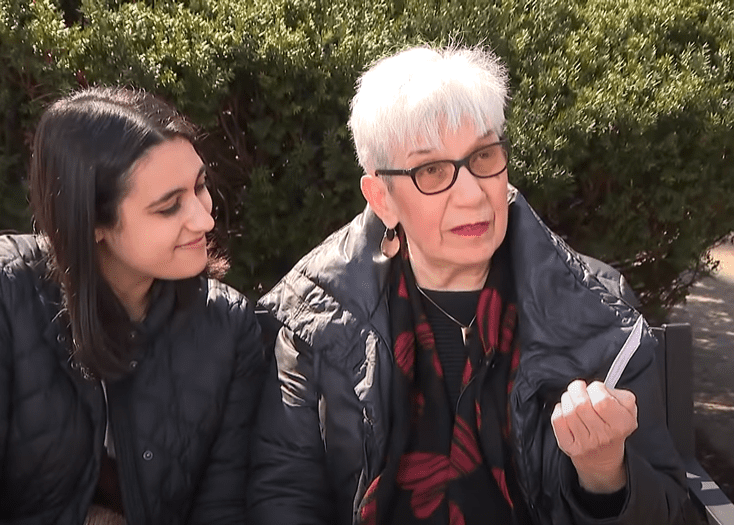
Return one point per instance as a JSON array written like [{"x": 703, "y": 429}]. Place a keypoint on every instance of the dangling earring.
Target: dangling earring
[{"x": 390, "y": 244}]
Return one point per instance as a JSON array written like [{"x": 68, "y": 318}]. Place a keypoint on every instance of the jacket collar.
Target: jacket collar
[
  {"x": 346, "y": 275},
  {"x": 569, "y": 319},
  {"x": 342, "y": 281}
]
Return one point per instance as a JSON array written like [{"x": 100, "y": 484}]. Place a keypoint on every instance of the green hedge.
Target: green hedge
[{"x": 622, "y": 117}]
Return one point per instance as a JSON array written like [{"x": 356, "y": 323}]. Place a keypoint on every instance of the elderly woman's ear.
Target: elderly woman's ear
[{"x": 376, "y": 193}]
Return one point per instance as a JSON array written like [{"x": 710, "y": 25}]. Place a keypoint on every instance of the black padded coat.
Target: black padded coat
[
  {"x": 327, "y": 408},
  {"x": 181, "y": 419}
]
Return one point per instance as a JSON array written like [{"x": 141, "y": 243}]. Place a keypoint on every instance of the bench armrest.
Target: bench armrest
[
  {"x": 675, "y": 364},
  {"x": 707, "y": 496}
]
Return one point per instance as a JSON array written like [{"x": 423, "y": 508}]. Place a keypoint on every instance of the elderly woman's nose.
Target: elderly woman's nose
[{"x": 467, "y": 184}]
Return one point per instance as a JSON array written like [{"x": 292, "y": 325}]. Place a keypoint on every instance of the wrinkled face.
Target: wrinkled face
[
  {"x": 455, "y": 231},
  {"x": 161, "y": 221}
]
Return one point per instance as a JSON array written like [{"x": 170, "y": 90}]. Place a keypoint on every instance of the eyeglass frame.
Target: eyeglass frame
[{"x": 458, "y": 164}]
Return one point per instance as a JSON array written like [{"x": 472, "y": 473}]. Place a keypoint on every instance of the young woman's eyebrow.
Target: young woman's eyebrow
[{"x": 176, "y": 191}]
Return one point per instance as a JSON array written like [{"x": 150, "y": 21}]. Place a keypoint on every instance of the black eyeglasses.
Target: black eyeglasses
[{"x": 438, "y": 176}]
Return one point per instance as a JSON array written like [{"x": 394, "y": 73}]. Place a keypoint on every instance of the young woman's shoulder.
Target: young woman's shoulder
[
  {"x": 29, "y": 299},
  {"x": 18, "y": 251},
  {"x": 223, "y": 300},
  {"x": 23, "y": 266},
  {"x": 219, "y": 292},
  {"x": 233, "y": 311}
]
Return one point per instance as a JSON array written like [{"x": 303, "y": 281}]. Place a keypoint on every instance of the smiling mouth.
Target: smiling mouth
[
  {"x": 198, "y": 243},
  {"x": 471, "y": 230}
]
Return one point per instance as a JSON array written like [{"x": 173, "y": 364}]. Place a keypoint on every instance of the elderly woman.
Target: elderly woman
[{"x": 438, "y": 359}]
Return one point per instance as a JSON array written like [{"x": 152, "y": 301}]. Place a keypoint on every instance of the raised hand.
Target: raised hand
[{"x": 591, "y": 424}]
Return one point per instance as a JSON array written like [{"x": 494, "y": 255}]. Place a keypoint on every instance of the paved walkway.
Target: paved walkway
[{"x": 710, "y": 310}]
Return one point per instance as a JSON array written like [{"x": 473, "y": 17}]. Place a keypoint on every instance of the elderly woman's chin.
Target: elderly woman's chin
[{"x": 459, "y": 258}]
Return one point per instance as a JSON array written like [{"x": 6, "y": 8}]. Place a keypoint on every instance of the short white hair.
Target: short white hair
[{"x": 415, "y": 96}]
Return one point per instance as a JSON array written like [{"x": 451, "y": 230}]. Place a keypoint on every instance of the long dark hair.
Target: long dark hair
[{"x": 84, "y": 150}]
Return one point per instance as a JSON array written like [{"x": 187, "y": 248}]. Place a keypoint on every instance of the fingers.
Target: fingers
[
  {"x": 578, "y": 411},
  {"x": 563, "y": 434},
  {"x": 617, "y": 408},
  {"x": 593, "y": 416},
  {"x": 591, "y": 424},
  {"x": 576, "y": 416},
  {"x": 625, "y": 398}
]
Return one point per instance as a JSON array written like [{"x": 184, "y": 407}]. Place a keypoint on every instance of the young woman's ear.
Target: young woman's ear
[{"x": 378, "y": 196}]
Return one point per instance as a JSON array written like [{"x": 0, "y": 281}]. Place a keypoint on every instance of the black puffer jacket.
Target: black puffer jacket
[
  {"x": 181, "y": 419},
  {"x": 327, "y": 412}
]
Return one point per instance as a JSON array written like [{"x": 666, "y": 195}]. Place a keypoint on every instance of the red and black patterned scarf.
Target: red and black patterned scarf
[{"x": 441, "y": 467}]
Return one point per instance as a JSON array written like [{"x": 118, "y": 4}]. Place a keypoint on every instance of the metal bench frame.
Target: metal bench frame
[{"x": 675, "y": 363}]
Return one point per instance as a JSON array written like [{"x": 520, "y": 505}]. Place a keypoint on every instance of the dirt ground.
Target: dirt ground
[{"x": 710, "y": 310}]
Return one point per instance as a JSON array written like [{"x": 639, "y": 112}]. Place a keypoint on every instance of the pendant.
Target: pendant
[{"x": 465, "y": 333}]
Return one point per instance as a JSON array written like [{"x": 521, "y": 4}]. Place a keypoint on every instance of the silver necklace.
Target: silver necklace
[{"x": 466, "y": 329}]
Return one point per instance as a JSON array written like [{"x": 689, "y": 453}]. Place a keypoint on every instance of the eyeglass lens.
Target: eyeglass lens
[{"x": 439, "y": 176}]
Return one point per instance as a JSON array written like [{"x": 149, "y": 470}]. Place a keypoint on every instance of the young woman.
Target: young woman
[{"x": 128, "y": 378}]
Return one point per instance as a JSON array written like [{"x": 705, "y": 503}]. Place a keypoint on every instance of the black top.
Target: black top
[{"x": 449, "y": 344}]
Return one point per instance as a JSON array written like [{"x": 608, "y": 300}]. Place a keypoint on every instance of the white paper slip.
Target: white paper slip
[{"x": 625, "y": 354}]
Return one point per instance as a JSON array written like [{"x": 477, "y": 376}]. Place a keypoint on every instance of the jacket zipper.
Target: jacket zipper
[
  {"x": 109, "y": 444},
  {"x": 367, "y": 440},
  {"x": 130, "y": 489}
]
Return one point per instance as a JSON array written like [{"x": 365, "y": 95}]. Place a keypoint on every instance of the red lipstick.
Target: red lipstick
[{"x": 471, "y": 230}]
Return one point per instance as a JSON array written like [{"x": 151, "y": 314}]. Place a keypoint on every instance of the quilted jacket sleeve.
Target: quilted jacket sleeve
[
  {"x": 289, "y": 482},
  {"x": 221, "y": 493}
]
